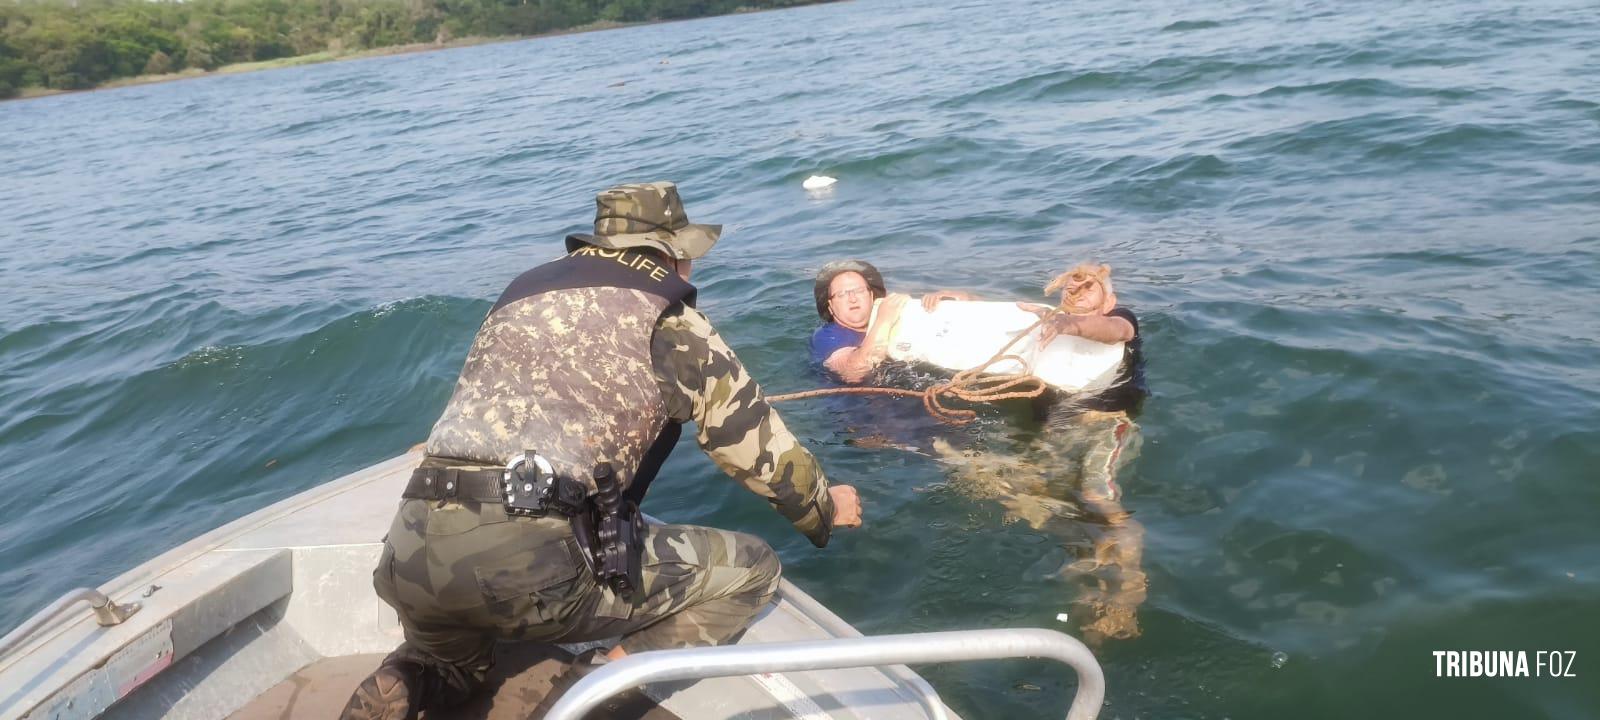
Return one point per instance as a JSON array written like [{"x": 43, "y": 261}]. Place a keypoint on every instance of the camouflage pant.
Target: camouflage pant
[
  {"x": 1094, "y": 446},
  {"x": 463, "y": 575}
]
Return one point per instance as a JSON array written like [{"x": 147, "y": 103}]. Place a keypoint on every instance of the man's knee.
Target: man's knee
[
  {"x": 761, "y": 561},
  {"x": 741, "y": 565}
]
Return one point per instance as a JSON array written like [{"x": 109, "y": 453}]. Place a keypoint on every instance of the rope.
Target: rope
[
  {"x": 970, "y": 385},
  {"x": 973, "y": 385}
]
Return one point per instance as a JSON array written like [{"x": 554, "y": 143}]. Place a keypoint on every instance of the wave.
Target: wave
[
  {"x": 1440, "y": 61},
  {"x": 1188, "y": 167},
  {"x": 157, "y": 252},
  {"x": 1163, "y": 185},
  {"x": 1567, "y": 103},
  {"x": 1322, "y": 137},
  {"x": 1454, "y": 145},
  {"x": 1182, "y": 72},
  {"x": 346, "y": 87},
  {"x": 426, "y": 126},
  {"x": 1434, "y": 259},
  {"x": 1057, "y": 84},
  {"x": 1163, "y": 75},
  {"x": 302, "y": 127},
  {"x": 1187, "y": 25},
  {"x": 538, "y": 151},
  {"x": 24, "y": 345},
  {"x": 185, "y": 368},
  {"x": 927, "y": 158},
  {"x": 342, "y": 121},
  {"x": 657, "y": 98},
  {"x": 172, "y": 448},
  {"x": 1397, "y": 50},
  {"x": 1352, "y": 88},
  {"x": 710, "y": 46}
]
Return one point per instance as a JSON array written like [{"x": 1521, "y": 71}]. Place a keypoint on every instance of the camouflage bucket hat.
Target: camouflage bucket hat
[{"x": 647, "y": 215}]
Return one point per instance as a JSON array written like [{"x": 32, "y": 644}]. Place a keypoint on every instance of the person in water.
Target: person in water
[
  {"x": 1091, "y": 312},
  {"x": 1070, "y": 471},
  {"x": 852, "y": 340}
]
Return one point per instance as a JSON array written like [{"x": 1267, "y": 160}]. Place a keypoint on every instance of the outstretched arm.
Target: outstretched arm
[
  {"x": 1108, "y": 329},
  {"x": 741, "y": 433}
]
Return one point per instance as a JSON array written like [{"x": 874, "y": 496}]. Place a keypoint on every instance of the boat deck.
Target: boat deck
[
  {"x": 279, "y": 606},
  {"x": 519, "y": 681}
]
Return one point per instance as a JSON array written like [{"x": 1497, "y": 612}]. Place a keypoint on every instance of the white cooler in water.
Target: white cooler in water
[{"x": 959, "y": 335}]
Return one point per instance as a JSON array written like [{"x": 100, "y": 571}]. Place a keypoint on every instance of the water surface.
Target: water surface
[{"x": 1363, "y": 239}]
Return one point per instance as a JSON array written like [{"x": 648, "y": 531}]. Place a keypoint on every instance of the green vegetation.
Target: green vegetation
[{"x": 77, "y": 44}]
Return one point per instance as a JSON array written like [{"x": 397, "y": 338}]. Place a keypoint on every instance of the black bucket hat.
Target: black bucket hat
[{"x": 835, "y": 269}]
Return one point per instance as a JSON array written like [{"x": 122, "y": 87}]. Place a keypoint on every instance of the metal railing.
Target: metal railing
[
  {"x": 106, "y": 612},
  {"x": 824, "y": 618},
  {"x": 732, "y": 660}
]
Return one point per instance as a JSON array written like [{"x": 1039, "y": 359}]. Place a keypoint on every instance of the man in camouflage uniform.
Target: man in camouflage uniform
[{"x": 598, "y": 356}]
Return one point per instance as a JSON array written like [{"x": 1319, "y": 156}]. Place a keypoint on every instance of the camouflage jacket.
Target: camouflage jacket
[
  {"x": 704, "y": 382},
  {"x": 581, "y": 373}
]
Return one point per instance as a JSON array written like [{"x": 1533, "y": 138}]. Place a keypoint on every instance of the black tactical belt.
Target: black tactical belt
[
  {"x": 527, "y": 489},
  {"x": 455, "y": 484}
]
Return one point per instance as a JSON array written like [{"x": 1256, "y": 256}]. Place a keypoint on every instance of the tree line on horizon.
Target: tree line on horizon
[{"x": 78, "y": 44}]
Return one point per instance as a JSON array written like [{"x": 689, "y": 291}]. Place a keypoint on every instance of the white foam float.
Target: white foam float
[
  {"x": 818, "y": 182},
  {"x": 959, "y": 335}
]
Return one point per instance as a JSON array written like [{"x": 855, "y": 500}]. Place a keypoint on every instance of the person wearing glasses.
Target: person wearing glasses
[
  {"x": 1064, "y": 476},
  {"x": 852, "y": 340}
]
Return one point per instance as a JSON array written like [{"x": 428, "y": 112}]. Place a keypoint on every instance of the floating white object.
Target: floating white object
[
  {"x": 818, "y": 182},
  {"x": 959, "y": 335},
  {"x": 1061, "y": 617}
]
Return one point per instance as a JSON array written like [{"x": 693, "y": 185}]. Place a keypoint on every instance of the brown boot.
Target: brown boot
[
  {"x": 410, "y": 682},
  {"x": 392, "y": 692}
]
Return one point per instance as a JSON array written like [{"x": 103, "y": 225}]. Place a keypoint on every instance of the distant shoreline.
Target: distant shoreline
[
  {"x": 31, "y": 93},
  {"x": 34, "y": 92}
]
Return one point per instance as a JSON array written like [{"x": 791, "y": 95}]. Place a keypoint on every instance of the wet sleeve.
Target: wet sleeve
[
  {"x": 828, "y": 340},
  {"x": 820, "y": 346},
  {"x": 1128, "y": 315},
  {"x": 704, "y": 382}
]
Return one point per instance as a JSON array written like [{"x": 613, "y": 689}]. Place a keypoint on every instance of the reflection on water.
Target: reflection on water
[
  {"x": 900, "y": 423},
  {"x": 1063, "y": 479},
  {"x": 1058, "y": 475}
]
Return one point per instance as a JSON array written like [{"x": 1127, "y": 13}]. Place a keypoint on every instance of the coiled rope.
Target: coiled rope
[{"x": 975, "y": 385}]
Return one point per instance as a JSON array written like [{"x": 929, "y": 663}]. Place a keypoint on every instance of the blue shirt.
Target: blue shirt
[{"x": 832, "y": 337}]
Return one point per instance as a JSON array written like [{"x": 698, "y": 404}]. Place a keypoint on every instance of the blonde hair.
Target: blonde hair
[{"x": 1073, "y": 283}]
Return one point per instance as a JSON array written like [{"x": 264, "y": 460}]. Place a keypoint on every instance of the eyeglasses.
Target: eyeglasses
[{"x": 850, "y": 293}]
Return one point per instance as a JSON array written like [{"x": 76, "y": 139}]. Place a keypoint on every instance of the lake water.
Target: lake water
[{"x": 1363, "y": 240}]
